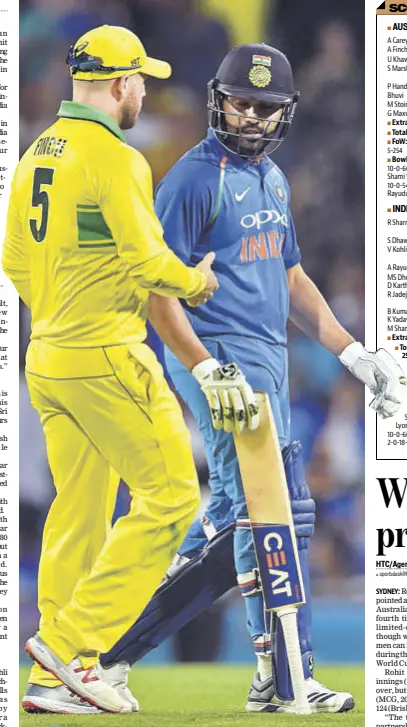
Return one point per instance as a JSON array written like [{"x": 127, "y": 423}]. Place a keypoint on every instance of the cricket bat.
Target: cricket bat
[{"x": 266, "y": 492}]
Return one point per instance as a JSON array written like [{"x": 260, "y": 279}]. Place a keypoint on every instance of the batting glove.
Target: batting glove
[
  {"x": 231, "y": 399},
  {"x": 384, "y": 407},
  {"x": 381, "y": 373}
]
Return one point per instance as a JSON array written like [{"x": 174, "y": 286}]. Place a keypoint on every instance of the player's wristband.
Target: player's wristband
[
  {"x": 351, "y": 354},
  {"x": 204, "y": 369}
]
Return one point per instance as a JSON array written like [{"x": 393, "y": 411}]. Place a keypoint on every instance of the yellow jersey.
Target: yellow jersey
[{"x": 83, "y": 245}]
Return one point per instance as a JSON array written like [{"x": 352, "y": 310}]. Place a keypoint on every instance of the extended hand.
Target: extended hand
[
  {"x": 381, "y": 373},
  {"x": 230, "y": 398},
  {"x": 211, "y": 284}
]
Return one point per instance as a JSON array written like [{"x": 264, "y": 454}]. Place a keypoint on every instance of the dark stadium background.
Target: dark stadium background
[{"x": 323, "y": 159}]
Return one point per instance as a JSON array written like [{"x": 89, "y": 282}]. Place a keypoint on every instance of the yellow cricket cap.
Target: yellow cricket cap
[{"x": 111, "y": 51}]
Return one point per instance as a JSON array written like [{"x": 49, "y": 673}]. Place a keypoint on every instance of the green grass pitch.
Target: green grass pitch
[{"x": 206, "y": 696}]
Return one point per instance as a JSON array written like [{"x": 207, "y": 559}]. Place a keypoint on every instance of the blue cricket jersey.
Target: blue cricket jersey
[{"x": 214, "y": 200}]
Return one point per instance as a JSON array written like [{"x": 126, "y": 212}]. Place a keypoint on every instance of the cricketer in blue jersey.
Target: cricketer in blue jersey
[{"x": 227, "y": 196}]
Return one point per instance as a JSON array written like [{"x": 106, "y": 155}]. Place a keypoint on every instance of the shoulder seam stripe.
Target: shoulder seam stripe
[{"x": 220, "y": 189}]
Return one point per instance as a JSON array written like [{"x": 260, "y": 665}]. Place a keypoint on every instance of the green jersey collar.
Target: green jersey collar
[{"x": 73, "y": 110}]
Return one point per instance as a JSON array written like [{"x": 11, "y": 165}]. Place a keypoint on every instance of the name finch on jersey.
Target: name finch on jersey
[{"x": 78, "y": 233}]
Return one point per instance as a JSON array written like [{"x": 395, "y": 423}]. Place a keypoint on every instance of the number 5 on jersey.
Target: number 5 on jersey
[{"x": 43, "y": 177}]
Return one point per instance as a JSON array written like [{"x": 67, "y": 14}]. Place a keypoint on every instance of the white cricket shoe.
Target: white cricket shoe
[
  {"x": 323, "y": 699},
  {"x": 55, "y": 700},
  {"x": 59, "y": 700},
  {"x": 117, "y": 676},
  {"x": 86, "y": 683},
  {"x": 262, "y": 698}
]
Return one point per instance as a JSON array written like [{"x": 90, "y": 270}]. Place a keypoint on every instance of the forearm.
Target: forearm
[
  {"x": 311, "y": 313},
  {"x": 379, "y": 371},
  {"x": 172, "y": 325},
  {"x": 167, "y": 276},
  {"x": 127, "y": 208}
]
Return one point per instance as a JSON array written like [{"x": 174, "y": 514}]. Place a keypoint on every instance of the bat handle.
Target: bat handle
[{"x": 288, "y": 618}]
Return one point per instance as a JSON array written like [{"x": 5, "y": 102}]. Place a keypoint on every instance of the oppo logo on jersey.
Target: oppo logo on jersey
[{"x": 262, "y": 218}]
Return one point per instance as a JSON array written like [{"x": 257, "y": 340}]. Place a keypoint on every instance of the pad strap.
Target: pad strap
[
  {"x": 262, "y": 644},
  {"x": 249, "y": 583}
]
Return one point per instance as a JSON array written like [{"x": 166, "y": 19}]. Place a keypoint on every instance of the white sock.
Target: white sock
[{"x": 264, "y": 666}]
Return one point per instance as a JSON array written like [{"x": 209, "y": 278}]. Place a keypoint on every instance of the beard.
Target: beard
[
  {"x": 250, "y": 138},
  {"x": 129, "y": 115},
  {"x": 246, "y": 139}
]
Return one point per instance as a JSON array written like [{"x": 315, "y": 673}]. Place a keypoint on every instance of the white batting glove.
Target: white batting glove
[
  {"x": 231, "y": 399},
  {"x": 384, "y": 407},
  {"x": 381, "y": 373}
]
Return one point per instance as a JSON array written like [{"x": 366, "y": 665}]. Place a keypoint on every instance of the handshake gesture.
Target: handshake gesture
[
  {"x": 205, "y": 266},
  {"x": 381, "y": 373}
]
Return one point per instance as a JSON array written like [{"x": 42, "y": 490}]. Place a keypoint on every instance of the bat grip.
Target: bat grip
[{"x": 288, "y": 618}]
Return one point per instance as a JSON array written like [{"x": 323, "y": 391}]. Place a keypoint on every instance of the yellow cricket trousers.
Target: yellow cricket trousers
[{"x": 107, "y": 408}]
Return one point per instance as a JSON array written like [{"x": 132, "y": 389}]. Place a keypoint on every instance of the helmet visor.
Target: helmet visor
[{"x": 251, "y": 136}]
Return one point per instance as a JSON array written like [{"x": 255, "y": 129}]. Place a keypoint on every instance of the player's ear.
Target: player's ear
[{"x": 118, "y": 88}]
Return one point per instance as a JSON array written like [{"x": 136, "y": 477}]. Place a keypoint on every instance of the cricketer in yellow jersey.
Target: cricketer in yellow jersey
[
  {"x": 309, "y": 312},
  {"x": 84, "y": 248}
]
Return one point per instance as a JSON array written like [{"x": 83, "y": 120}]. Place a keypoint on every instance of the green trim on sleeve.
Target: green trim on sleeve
[{"x": 92, "y": 227}]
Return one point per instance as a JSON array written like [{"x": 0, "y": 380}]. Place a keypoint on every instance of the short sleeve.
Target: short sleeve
[
  {"x": 184, "y": 203},
  {"x": 291, "y": 251}
]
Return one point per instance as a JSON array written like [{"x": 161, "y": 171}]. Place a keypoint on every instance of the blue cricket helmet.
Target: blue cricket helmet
[{"x": 261, "y": 73}]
